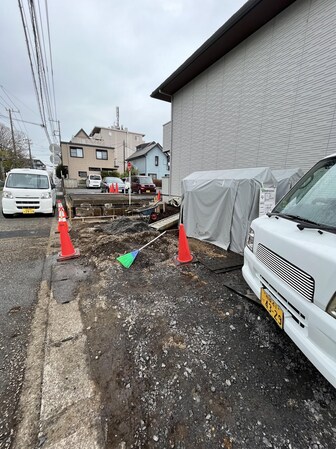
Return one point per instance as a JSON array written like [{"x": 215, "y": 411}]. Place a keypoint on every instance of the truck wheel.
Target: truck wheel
[{"x": 7, "y": 215}]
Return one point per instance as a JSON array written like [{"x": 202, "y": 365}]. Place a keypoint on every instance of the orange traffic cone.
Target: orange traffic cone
[
  {"x": 184, "y": 255},
  {"x": 67, "y": 249},
  {"x": 116, "y": 190},
  {"x": 111, "y": 188}
]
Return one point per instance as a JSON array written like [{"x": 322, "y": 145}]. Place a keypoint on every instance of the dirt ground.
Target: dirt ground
[{"x": 181, "y": 361}]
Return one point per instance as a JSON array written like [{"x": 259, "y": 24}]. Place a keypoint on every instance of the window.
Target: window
[
  {"x": 76, "y": 152},
  {"x": 156, "y": 161},
  {"x": 101, "y": 154},
  {"x": 82, "y": 174}
]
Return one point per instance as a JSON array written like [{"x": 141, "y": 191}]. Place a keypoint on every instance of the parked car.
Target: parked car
[
  {"x": 127, "y": 184},
  {"x": 93, "y": 181},
  {"x": 106, "y": 183},
  {"x": 142, "y": 184},
  {"x": 28, "y": 191}
]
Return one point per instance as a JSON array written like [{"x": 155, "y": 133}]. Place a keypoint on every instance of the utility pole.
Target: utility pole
[
  {"x": 12, "y": 129},
  {"x": 124, "y": 155},
  {"x": 30, "y": 155}
]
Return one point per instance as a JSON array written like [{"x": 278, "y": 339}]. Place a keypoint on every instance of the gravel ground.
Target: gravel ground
[{"x": 181, "y": 361}]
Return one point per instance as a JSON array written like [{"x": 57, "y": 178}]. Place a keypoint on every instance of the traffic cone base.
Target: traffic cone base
[
  {"x": 76, "y": 254},
  {"x": 67, "y": 249},
  {"x": 184, "y": 255}
]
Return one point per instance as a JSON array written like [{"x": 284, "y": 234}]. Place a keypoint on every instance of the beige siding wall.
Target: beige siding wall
[
  {"x": 270, "y": 102},
  {"x": 115, "y": 138},
  {"x": 76, "y": 164}
]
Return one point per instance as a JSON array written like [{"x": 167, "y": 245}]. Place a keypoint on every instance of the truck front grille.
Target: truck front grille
[
  {"x": 293, "y": 276},
  {"x": 27, "y": 204}
]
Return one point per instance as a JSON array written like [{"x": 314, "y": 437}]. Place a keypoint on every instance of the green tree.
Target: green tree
[{"x": 61, "y": 171}]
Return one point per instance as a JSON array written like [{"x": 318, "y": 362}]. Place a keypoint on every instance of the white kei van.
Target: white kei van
[
  {"x": 28, "y": 191},
  {"x": 290, "y": 264},
  {"x": 94, "y": 181}
]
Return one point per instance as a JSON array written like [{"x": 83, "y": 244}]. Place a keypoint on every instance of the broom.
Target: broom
[{"x": 127, "y": 259}]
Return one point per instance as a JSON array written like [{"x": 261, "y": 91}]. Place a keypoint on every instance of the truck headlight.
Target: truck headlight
[
  {"x": 250, "y": 239},
  {"x": 7, "y": 195},
  {"x": 331, "y": 309},
  {"x": 46, "y": 195}
]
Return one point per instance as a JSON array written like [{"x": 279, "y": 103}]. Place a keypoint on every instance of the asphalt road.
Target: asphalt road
[{"x": 23, "y": 245}]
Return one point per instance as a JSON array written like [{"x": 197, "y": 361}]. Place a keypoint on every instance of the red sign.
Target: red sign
[{"x": 129, "y": 166}]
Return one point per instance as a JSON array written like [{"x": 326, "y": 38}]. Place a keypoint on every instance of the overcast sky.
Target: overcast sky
[{"x": 106, "y": 53}]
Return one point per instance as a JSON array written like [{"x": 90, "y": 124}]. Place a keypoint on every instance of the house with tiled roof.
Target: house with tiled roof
[{"x": 150, "y": 160}]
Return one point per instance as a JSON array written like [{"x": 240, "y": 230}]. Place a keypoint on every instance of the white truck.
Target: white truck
[
  {"x": 290, "y": 264},
  {"x": 28, "y": 191}
]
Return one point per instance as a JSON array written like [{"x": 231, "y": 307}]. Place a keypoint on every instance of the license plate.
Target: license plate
[
  {"x": 28, "y": 211},
  {"x": 272, "y": 308},
  {"x": 147, "y": 191}
]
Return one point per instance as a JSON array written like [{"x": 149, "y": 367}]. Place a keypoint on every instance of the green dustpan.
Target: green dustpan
[{"x": 127, "y": 259}]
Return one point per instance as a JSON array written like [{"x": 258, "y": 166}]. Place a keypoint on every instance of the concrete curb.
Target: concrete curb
[{"x": 59, "y": 405}]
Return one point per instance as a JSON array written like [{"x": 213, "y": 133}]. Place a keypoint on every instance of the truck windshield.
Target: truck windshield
[
  {"x": 313, "y": 198},
  {"x": 27, "y": 181}
]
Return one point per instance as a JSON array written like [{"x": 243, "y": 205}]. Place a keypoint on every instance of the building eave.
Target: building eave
[
  {"x": 247, "y": 20},
  {"x": 87, "y": 145}
]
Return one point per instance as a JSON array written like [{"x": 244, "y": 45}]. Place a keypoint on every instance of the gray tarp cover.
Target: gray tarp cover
[
  {"x": 286, "y": 178},
  {"x": 219, "y": 205}
]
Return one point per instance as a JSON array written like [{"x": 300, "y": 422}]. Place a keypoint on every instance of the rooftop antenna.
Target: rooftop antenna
[{"x": 117, "y": 117}]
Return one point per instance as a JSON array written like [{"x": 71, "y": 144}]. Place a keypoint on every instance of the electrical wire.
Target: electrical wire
[
  {"x": 43, "y": 78},
  {"x": 10, "y": 94},
  {"x": 27, "y": 38},
  {"x": 50, "y": 56}
]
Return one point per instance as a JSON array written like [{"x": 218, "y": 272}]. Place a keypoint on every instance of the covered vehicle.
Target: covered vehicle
[
  {"x": 93, "y": 181},
  {"x": 219, "y": 205},
  {"x": 28, "y": 191},
  {"x": 286, "y": 179},
  {"x": 109, "y": 180},
  {"x": 142, "y": 184}
]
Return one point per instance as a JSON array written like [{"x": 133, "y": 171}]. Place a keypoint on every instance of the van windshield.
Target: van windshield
[
  {"x": 95, "y": 177},
  {"x": 313, "y": 198},
  {"x": 27, "y": 181}
]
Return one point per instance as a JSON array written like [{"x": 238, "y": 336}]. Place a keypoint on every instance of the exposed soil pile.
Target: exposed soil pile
[{"x": 183, "y": 362}]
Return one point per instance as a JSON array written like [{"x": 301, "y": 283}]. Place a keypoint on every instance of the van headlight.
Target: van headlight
[
  {"x": 46, "y": 195},
  {"x": 250, "y": 239},
  {"x": 331, "y": 309},
  {"x": 7, "y": 195}
]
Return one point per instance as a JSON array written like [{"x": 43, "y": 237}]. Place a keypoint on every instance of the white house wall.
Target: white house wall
[{"x": 270, "y": 102}]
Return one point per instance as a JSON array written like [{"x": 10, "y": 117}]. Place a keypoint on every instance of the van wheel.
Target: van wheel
[
  {"x": 7, "y": 215},
  {"x": 52, "y": 213}
]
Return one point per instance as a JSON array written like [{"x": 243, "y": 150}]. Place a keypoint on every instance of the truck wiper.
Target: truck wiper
[
  {"x": 304, "y": 223},
  {"x": 290, "y": 217}
]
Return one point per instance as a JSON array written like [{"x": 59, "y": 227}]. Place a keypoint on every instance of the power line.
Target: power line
[
  {"x": 10, "y": 94},
  {"x": 25, "y": 29},
  {"x": 50, "y": 56},
  {"x": 25, "y": 121}
]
